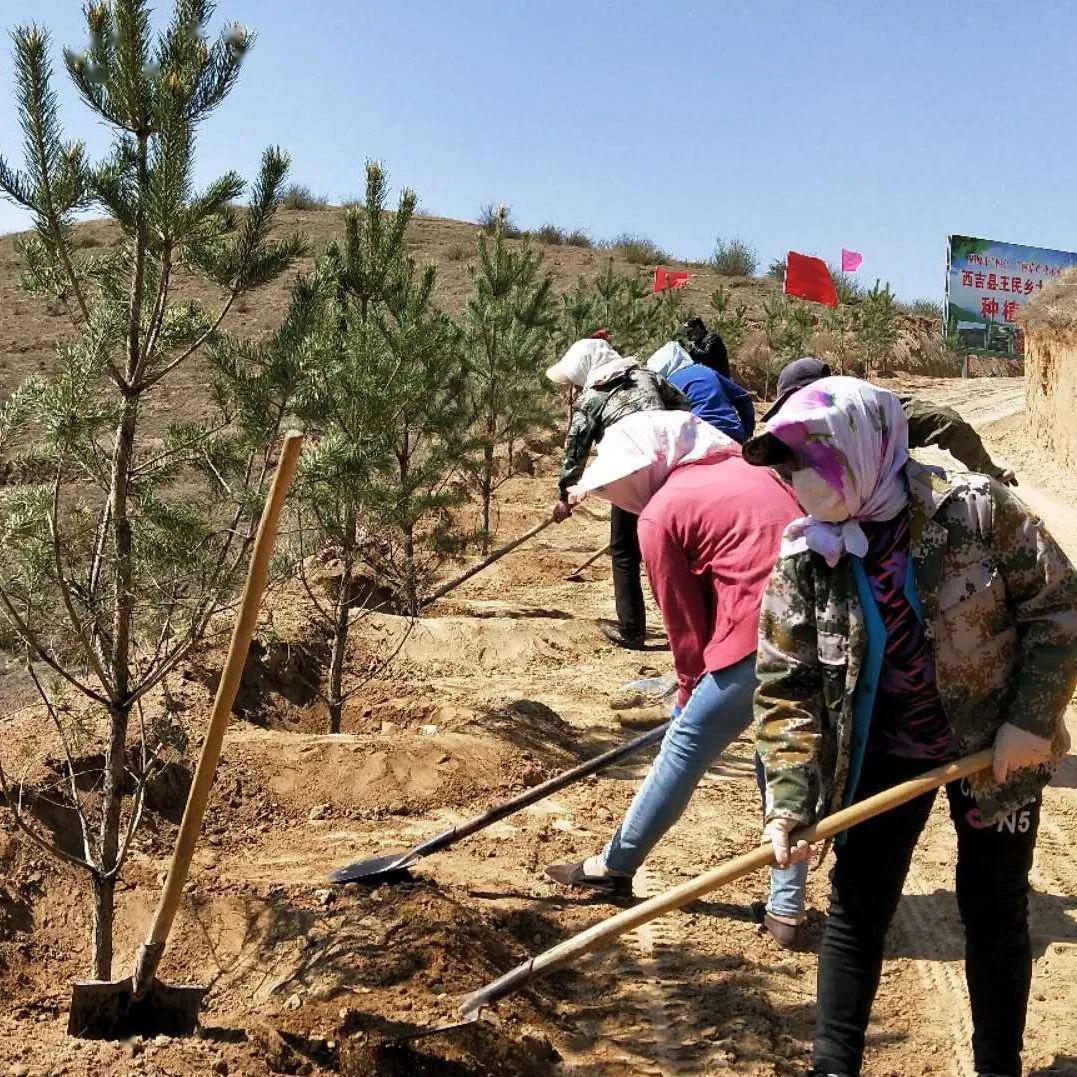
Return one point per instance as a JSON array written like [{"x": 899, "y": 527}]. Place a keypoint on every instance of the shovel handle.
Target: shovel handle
[
  {"x": 538, "y": 792},
  {"x": 202, "y": 783},
  {"x": 606, "y": 930},
  {"x": 486, "y": 562}
]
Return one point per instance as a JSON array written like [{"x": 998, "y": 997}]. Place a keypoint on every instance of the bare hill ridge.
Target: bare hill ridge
[{"x": 30, "y": 328}]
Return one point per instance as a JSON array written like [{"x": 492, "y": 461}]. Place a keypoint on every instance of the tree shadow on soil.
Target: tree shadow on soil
[
  {"x": 1050, "y": 920},
  {"x": 420, "y": 943}
]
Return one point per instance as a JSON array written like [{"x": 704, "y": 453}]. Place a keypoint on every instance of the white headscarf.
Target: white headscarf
[
  {"x": 638, "y": 452},
  {"x": 670, "y": 358},
  {"x": 855, "y": 437},
  {"x": 586, "y": 362}
]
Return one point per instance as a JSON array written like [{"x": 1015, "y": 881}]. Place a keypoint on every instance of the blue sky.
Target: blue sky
[{"x": 798, "y": 124}]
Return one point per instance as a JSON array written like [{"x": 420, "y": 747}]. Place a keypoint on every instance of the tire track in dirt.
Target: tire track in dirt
[
  {"x": 944, "y": 983},
  {"x": 661, "y": 983}
]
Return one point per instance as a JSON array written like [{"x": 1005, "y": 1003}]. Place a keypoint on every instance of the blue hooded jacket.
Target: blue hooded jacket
[{"x": 717, "y": 400}]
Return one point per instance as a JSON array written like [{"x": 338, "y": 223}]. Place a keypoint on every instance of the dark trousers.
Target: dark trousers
[
  {"x": 870, "y": 866},
  {"x": 627, "y": 589}
]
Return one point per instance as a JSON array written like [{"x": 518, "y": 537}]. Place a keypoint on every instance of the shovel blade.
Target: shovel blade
[
  {"x": 108, "y": 1010},
  {"x": 375, "y": 870}
]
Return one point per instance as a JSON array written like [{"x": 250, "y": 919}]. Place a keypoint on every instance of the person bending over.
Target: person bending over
[
  {"x": 612, "y": 387},
  {"x": 913, "y": 617},
  {"x": 716, "y": 399},
  {"x": 709, "y": 535}
]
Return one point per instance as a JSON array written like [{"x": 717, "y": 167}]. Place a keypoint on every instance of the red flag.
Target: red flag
[
  {"x": 669, "y": 278},
  {"x": 809, "y": 278}
]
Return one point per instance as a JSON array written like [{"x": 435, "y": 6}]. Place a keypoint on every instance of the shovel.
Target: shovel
[
  {"x": 141, "y": 1004},
  {"x": 607, "y": 930},
  {"x": 577, "y": 572},
  {"x": 394, "y": 867}
]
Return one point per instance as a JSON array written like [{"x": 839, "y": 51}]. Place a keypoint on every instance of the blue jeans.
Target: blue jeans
[{"x": 719, "y": 710}]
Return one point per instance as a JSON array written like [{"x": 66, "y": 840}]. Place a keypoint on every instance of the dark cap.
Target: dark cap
[
  {"x": 765, "y": 450},
  {"x": 794, "y": 376}
]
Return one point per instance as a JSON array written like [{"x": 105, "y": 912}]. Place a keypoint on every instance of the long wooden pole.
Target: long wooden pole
[
  {"x": 606, "y": 931},
  {"x": 149, "y": 953}
]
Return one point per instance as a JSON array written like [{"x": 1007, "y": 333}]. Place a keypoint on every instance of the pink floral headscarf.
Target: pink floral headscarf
[{"x": 856, "y": 437}]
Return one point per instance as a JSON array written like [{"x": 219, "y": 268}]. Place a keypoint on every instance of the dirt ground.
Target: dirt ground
[{"x": 501, "y": 685}]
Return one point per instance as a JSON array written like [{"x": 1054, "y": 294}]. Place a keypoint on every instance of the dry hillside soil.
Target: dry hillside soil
[{"x": 500, "y": 685}]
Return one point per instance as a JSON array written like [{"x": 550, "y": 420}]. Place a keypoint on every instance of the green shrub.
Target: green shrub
[
  {"x": 734, "y": 258},
  {"x": 925, "y": 308},
  {"x": 299, "y": 196},
  {"x": 551, "y": 235},
  {"x": 728, "y": 321},
  {"x": 491, "y": 216},
  {"x": 638, "y": 250},
  {"x": 848, "y": 289},
  {"x": 877, "y": 330},
  {"x": 776, "y": 269},
  {"x": 578, "y": 238}
]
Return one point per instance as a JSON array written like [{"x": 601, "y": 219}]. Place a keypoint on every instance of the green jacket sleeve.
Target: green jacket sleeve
[
  {"x": 1042, "y": 584},
  {"x": 583, "y": 430},
  {"x": 789, "y": 700},
  {"x": 930, "y": 425}
]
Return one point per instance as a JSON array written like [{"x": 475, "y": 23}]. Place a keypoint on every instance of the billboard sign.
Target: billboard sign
[{"x": 987, "y": 283}]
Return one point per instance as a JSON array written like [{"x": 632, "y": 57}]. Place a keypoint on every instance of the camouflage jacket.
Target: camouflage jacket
[
  {"x": 932, "y": 425},
  {"x": 627, "y": 391},
  {"x": 1000, "y": 606}
]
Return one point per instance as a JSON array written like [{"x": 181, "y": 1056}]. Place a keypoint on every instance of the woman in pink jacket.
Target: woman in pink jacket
[{"x": 710, "y": 528}]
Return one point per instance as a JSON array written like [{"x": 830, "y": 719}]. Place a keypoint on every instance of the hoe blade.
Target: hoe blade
[
  {"x": 375, "y": 870},
  {"x": 108, "y": 1010}
]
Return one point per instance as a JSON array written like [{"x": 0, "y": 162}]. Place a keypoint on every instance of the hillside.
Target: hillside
[{"x": 30, "y": 329}]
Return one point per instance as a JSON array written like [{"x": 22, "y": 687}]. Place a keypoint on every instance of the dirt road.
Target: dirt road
[{"x": 500, "y": 686}]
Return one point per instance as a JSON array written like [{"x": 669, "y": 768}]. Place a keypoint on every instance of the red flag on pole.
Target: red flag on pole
[
  {"x": 669, "y": 278},
  {"x": 809, "y": 278}
]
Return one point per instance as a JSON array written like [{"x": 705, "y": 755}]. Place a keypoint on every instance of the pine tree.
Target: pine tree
[
  {"x": 111, "y": 570},
  {"x": 877, "y": 329},
  {"x": 728, "y": 321},
  {"x": 385, "y": 390},
  {"x": 508, "y": 323},
  {"x": 624, "y": 309}
]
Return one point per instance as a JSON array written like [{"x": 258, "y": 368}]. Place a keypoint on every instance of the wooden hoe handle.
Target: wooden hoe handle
[
  {"x": 486, "y": 562},
  {"x": 257, "y": 573},
  {"x": 605, "y": 931}
]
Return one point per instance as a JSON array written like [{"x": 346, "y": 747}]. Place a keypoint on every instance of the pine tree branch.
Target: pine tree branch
[
  {"x": 149, "y": 381},
  {"x": 49, "y": 847},
  {"x": 65, "y": 591},
  {"x": 30, "y": 638},
  {"x": 40, "y": 122},
  {"x": 84, "y": 825}
]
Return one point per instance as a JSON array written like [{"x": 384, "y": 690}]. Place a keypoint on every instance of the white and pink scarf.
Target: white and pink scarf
[
  {"x": 856, "y": 438},
  {"x": 638, "y": 452}
]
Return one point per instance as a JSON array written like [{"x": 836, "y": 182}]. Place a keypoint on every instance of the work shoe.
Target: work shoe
[
  {"x": 612, "y": 631},
  {"x": 781, "y": 930},
  {"x": 575, "y": 874}
]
